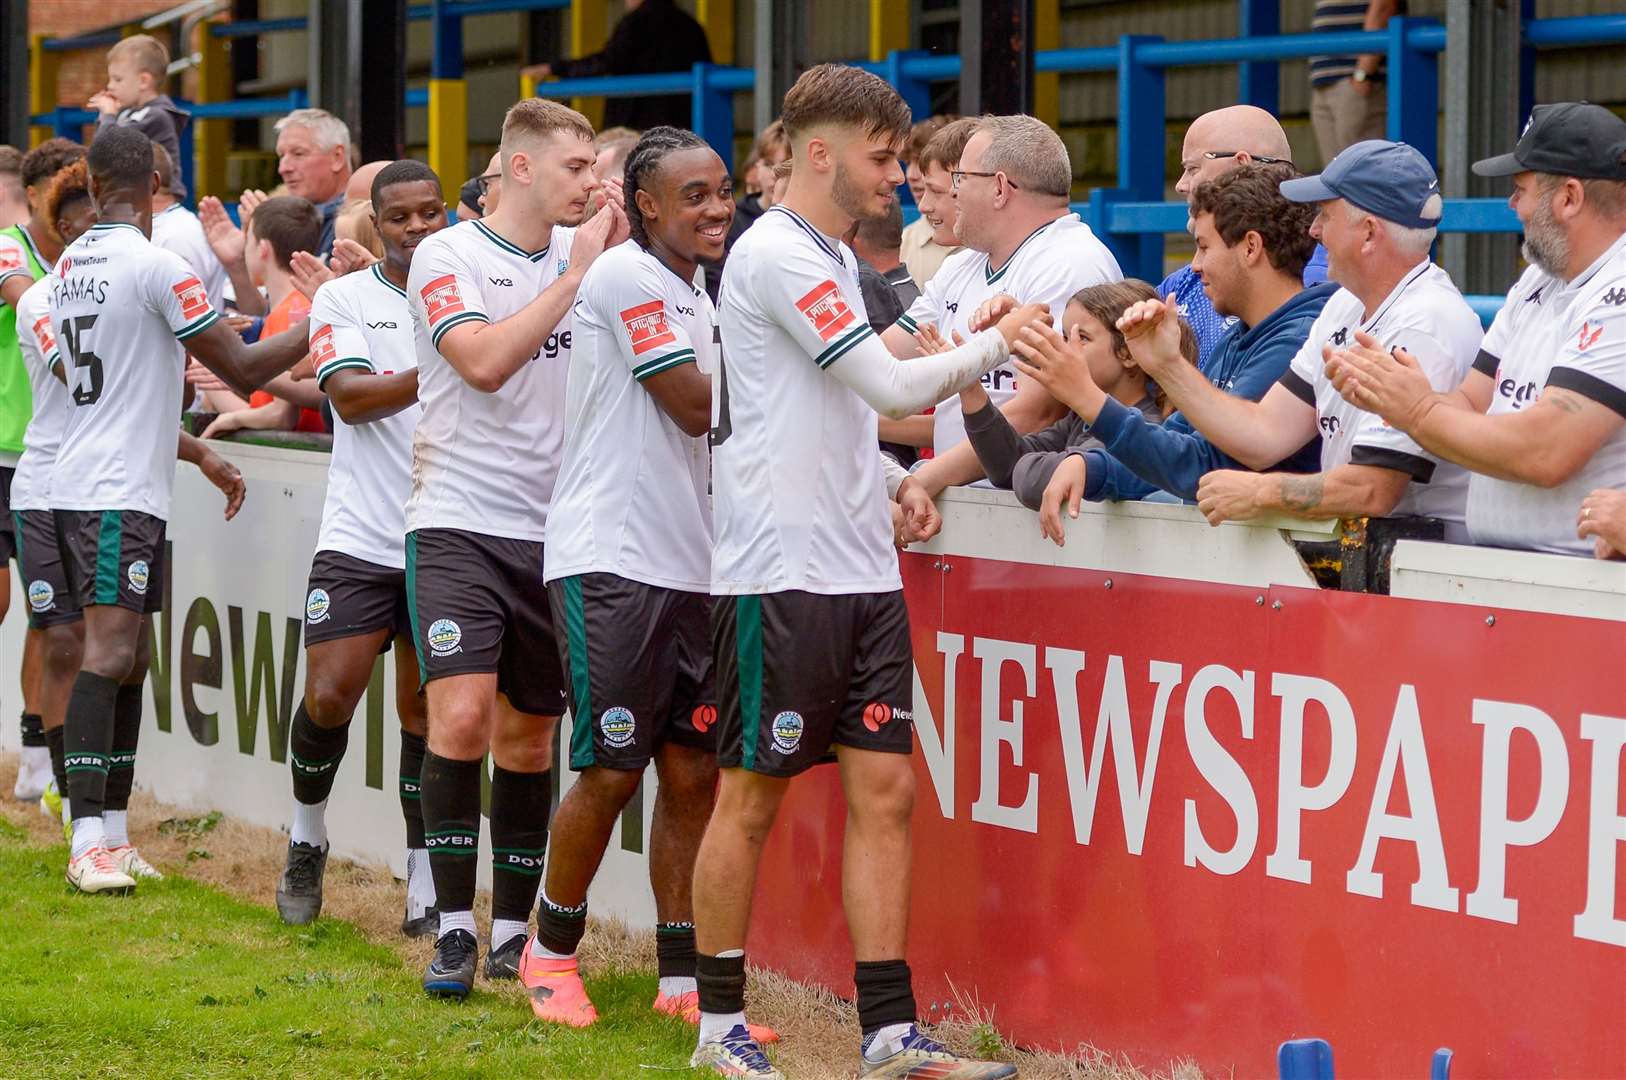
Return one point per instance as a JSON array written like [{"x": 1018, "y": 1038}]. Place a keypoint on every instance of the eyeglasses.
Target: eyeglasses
[
  {"x": 1187, "y": 168},
  {"x": 958, "y": 175},
  {"x": 486, "y": 181}
]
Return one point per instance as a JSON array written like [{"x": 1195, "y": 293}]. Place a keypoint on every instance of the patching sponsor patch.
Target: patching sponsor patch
[
  {"x": 10, "y": 259},
  {"x": 194, "y": 299},
  {"x": 322, "y": 348},
  {"x": 825, "y": 310},
  {"x": 43, "y": 335},
  {"x": 646, "y": 327},
  {"x": 441, "y": 298}
]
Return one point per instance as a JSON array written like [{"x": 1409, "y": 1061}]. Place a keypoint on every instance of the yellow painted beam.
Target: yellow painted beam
[
  {"x": 527, "y": 87},
  {"x": 42, "y": 84},
  {"x": 888, "y": 27},
  {"x": 449, "y": 131},
  {"x": 717, "y": 16},
  {"x": 213, "y": 137},
  {"x": 1047, "y": 85},
  {"x": 589, "y": 30}
]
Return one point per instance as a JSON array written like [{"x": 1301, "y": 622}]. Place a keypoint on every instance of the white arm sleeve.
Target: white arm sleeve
[
  {"x": 894, "y": 473},
  {"x": 899, "y": 388}
]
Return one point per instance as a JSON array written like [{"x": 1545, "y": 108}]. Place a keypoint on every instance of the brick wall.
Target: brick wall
[{"x": 83, "y": 73}]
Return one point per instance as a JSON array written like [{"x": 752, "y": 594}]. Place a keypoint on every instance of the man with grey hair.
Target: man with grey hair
[
  {"x": 13, "y": 196},
  {"x": 1011, "y": 192},
  {"x": 313, "y": 159},
  {"x": 1215, "y": 143},
  {"x": 1541, "y": 418},
  {"x": 1379, "y": 204}
]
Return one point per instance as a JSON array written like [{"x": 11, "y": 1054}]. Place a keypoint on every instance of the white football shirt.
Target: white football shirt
[
  {"x": 798, "y": 497},
  {"x": 178, "y": 229},
  {"x": 31, "y": 485},
  {"x": 1426, "y": 316},
  {"x": 1053, "y": 263},
  {"x": 1570, "y": 335},
  {"x": 485, "y": 463},
  {"x": 361, "y": 322},
  {"x": 121, "y": 307},
  {"x": 632, "y": 497}
]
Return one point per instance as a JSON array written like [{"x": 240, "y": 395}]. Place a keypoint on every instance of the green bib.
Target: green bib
[{"x": 16, "y": 399}]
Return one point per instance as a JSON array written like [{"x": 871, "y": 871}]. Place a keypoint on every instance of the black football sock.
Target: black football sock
[
  {"x": 87, "y": 741},
  {"x": 314, "y": 754},
  {"x": 520, "y": 803},
  {"x": 413, "y": 748},
  {"x": 451, "y": 821},
  {"x": 121, "y": 760}
]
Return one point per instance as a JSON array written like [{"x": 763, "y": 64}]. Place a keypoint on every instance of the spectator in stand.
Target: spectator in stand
[
  {"x": 13, "y": 198},
  {"x": 926, "y": 243},
  {"x": 1011, "y": 191},
  {"x": 1348, "y": 102},
  {"x": 652, "y": 36},
  {"x": 1025, "y": 463},
  {"x": 177, "y": 229},
  {"x": 937, "y": 161},
  {"x": 1215, "y": 143},
  {"x": 612, "y": 146},
  {"x": 313, "y": 159},
  {"x": 1252, "y": 245},
  {"x": 355, "y": 224},
  {"x": 876, "y": 242},
  {"x": 771, "y": 150},
  {"x": 137, "y": 68},
  {"x": 468, "y": 200},
  {"x": 359, "y": 188},
  {"x": 1541, "y": 418},
  {"x": 1379, "y": 205},
  {"x": 279, "y": 227},
  {"x": 1603, "y": 520}
]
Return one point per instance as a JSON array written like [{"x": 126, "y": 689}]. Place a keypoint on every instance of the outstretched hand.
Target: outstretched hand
[
  {"x": 1151, "y": 330},
  {"x": 1059, "y": 366},
  {"x": 1388, "y": 382}
]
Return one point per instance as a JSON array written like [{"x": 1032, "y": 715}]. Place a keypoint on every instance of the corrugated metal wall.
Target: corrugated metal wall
[{"x": 839, "y": 31}]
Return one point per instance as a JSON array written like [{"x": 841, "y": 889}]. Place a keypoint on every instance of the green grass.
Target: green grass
[{"x": 181, "y": 980}]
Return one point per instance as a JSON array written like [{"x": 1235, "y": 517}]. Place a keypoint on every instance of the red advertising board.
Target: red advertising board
[{"x": 1175, "y": 819}]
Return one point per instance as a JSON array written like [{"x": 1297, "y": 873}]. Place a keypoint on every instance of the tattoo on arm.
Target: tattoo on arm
[
  {"x": 1301, "y": 493},
  {"x": 1562, "y": 399}
]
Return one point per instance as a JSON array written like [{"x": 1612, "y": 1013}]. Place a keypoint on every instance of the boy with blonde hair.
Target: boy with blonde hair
[{"x": 137, "y": 68}]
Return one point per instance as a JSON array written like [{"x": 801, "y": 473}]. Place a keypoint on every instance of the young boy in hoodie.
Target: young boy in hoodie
[{"x": 137, "y": 68}]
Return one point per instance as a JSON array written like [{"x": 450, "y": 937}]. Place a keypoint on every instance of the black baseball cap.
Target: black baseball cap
[{"x": 1572, "y": 138}]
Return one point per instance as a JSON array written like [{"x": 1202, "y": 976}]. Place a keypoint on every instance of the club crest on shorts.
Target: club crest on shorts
[
  {"x": 41, "y": 596},
  {"x": 138, "y": 577},
  {"x": 617, "y": 725},
  {"x": 445, "y": 637},
  {"x": 787, "y": 731},
  {"x": 318, "y": 605}
]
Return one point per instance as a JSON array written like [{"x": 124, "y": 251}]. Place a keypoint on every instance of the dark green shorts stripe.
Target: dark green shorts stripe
[
  {"x": 108, "y": 542},
  {"x": 581, "y": 685},
  {"x": 748, "y": 650},
  {"x": 412, "y": 603}
]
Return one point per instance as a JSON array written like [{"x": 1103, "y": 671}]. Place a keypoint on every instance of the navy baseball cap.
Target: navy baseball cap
[
  {"x": 1390, "y": 180},
  {"x": 1572, "y": 138}
]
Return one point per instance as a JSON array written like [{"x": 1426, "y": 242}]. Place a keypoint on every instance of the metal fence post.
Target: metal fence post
[
  {"x": 1414, "y": 90},
  {"x": 917, "y": 93},
  {"x": 1140, "y": 147},
  {"x": 712, "y": 113},
  {"x": 1259, "y": 82},
  {"x": 448, "y": 100}
]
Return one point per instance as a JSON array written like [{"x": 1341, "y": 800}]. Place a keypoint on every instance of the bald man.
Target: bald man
[
  {"x": 1217, "y": 142},
  {"x": 360, "y": 186}
]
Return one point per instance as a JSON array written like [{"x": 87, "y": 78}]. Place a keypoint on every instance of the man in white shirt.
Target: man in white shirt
[
  {"x": 491, "y": 304},
  {"x": 121, "y": 308},
  {"x": 366, "y": 361},
  {"x": 1541, "y": 418},
  {"x": 177, "y": 229},
  {"x": 629, "y": 567},
  {"x": 1379, "y": 205},
  {"x": 810, "y": 629},
  {"x": 1011, "y": 190}
]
